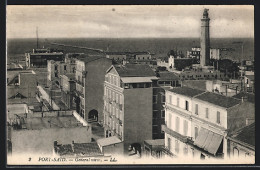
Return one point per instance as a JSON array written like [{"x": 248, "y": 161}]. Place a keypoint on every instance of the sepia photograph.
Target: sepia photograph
[{"x": 130, "y": 84}]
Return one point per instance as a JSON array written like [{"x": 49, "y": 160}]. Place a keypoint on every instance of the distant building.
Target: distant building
[
  {"x": 143, "y": 56},
  {"x": 57, "y": 68},
  {"x": 242, "y": 142},
  {"x": 21, "y": 86},
  {"x": 249, "y": 81},
  {"x": 90, "y": 76},
  {"x": 39, "y": 130},
  {"x": 198, "y": 122},
  {"x": 128, "y": 103},
  {"x": 117, "y": 56},
  {"x": 225, "y": 88},
  {"x": 39, "y": 57}
]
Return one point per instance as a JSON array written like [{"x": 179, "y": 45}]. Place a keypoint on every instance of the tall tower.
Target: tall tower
[{"x": 204, "y": 39}]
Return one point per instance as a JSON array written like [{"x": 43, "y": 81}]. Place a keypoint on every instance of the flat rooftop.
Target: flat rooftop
[
  {"x": 37, "y": 123},
  {"x": 186, "y": 91}
]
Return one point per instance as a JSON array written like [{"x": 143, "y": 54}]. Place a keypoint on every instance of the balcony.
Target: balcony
[
  {"x": 120, "y": 122},
  {"x": 174, "y": 134}
]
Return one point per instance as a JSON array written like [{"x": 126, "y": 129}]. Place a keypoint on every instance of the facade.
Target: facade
[
  {"x": 57, "y": 68},
  {"x": 205, "y": 40},
  {"x": 242, "y": 142},
  {"x": 68, "y": 87},
  {"x": 90, "y": 76},
  {"x": 117, "y": 56},
  {"x": 128, "y": 103},
  {"x": 198, "y": 122},
  {"x": 144, "y": 56},
  {"x": 39, "y": 57},
  {"x": 165, "y": 79}
]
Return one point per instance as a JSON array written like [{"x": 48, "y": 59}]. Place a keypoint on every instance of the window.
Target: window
[
  {"x": 56, "y": 67},
  {"x": 163, "y": 98},
  {"x": 196, "y": 132},
  {"x": 218, "y": 117},
  {"x": 155, "y": 114},
  {"x": 185, "y": 127},
  {"x": 235, "y": 152},
  {"x": 170, "y": 120},
  {"x": 117, "y": 98},
  {"x": 187, "y": 105},
  {"x": 162, "y": 114},
  {"x": 169, "y": 143},
  {"x": 154, "y": 99},
  {"x": 196, "y": 109},
  {"x": 170, "y": 97},
  {"x": 65, "y": 67},
  {"x": 178, "y": 101},
  {"x": 207, "y": 113},
  {"x": 177, "y": 146},
  {"x": 56, "y": 74},
  {"x": 177, "y": 124}
]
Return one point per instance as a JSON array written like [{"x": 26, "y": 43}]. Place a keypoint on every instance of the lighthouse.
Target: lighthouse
[{"x": 204, "y": 39}]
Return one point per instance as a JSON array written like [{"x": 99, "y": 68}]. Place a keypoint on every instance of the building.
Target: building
[
  {"x": 68, "y": 87},
  {"x": 58, "y": 68},
  {"x": 205, "y": 39},
  {"x": 142, "y": 56},
  {"x": 90, "y": 76},
  {"x": 249, "y": 81},
  {"x": 165, "y": 79},
  {"x": 39, "y": 57},
  {"x": 128, "y": 103},
  {"x": 21, "y": 86},
  {"x": 197, "y": 122},
  {"x": 242, "y": 142},
  {"x": 39, "y": 130},
  {"x": 117, "y": 56}
]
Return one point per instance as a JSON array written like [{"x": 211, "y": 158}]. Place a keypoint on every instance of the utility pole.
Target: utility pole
[{"x": 37, "y": 37}]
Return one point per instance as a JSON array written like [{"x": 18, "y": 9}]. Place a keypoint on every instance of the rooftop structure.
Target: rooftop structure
[
  {"x": 185, "y": 91},
  {"x": 218, "y": 100}
]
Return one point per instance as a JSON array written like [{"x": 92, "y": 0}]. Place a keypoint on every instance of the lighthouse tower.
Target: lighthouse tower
[{"x": 204, "y": 40}]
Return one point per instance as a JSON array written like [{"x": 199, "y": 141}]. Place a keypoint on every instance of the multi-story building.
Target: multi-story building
[
  {"x": 198, "y": 122},
  {"x": 39, "y": 57},
  {"x": 57, "y": 68},
  {"x": 128, "y": 103},
  {"x": 166, "y": 79},
  {"x": 90, "y": 76}
]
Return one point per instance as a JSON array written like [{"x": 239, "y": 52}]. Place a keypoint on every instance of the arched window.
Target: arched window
[{"x": 235, "y": 152}]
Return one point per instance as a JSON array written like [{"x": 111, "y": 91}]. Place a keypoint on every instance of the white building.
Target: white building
[{"x": 197, "y": 122}]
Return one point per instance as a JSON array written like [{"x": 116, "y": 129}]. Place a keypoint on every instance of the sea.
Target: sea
[{"x": 159, "y": 47}]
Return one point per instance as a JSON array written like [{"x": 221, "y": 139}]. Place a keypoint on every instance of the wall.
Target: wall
[
  {"x": 238, "y": 114},
  {"x": 41, "y": 141},
  {"x": 94, "y": 86},
  {"x": 212, "y": 112},
  {"x": 158, "y": 120},
  {"x": 137, "y": 115}
]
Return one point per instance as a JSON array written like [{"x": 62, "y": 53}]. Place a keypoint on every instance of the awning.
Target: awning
[
  {"x": 137, "y": 79},
  {"x": 209, "y": 141},
  {"x": 108, "y": 141},
  {"x": 201, "y": 138}
]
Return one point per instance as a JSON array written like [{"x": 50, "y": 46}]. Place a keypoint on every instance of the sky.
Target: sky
[{"x": 127, "y": 21}]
